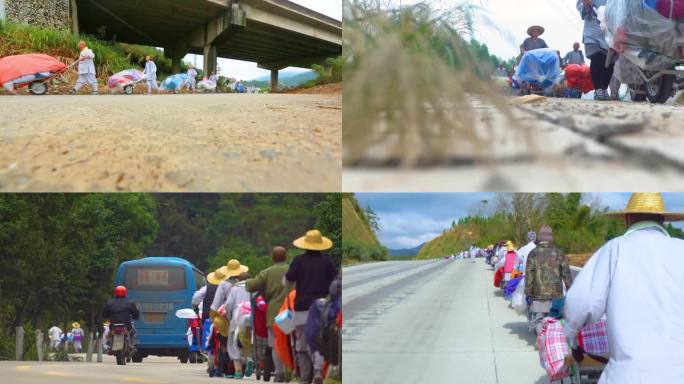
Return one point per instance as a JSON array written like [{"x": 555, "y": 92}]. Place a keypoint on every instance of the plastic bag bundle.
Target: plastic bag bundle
[
  {"x": 540, "y": 67},
  {"x": 511, "y": 287},
  {"x": 174, "y": 83},
  {"x": 518, "y": 300},
  {"x": 119, "y": 80},
  {"x": 579, "y": 77},
  {"x": 206, "y": 85},
  {"x": 639, "y": 32}
]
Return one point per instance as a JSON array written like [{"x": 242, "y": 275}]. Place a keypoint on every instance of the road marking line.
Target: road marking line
[
  {"x": 23, "y": 367},
  {"x": 60, "y": 374},
  {"x": 141, "y": 380}
]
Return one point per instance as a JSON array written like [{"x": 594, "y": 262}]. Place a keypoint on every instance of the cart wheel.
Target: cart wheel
[
  {"x": 659, "y": 90},
  {"x": 193, "y": 358},
  {"x": 128, "y": 89},
  {"x": 38, "y": 88},
  {"x": 637, "y": 93}
]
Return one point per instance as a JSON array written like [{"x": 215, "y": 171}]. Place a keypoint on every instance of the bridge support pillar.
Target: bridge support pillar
[
  {"x": 274, "y": 80},
  {"x": 73, "y": 11},
  {"x": 210, "y": 60}
]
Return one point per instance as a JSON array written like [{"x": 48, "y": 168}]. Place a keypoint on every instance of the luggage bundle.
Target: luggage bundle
[
  {"x": 647, "y": 32},
  {"x": 579, "y": 77},
  {"x": 554, "y": 346},
  {"x": 540, "y": 67}
]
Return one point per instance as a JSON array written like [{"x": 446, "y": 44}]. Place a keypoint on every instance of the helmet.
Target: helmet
[{"x": 120, "y": 291}]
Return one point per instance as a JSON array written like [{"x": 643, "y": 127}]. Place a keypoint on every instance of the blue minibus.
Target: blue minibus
[{"x": 159, "y": 286}]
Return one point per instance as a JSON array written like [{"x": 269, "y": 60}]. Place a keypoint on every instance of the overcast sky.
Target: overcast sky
[
  {"x": 244, "y": 70},
  {"x": 502, "y": 24},
  {"x": 409, "y": 220}
]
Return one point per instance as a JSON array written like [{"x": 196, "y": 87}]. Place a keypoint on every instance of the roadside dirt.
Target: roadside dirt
[
  {"x": 326, "y": 89},
  {"x": 171, "y": 143}
]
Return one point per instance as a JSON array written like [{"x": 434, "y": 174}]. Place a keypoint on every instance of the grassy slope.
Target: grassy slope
[
  {"x": 447, "y": 243},
  {"x": 354, "y": 225}
]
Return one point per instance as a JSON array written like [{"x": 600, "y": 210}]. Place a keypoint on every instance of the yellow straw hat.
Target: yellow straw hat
[
  {"x": 76, "y": 325},
  {"x": 220, "y": 323},
  {"x": 313, "y": 241},
  {"x": 647, "y": 203},
  {"x": 233, "y": 268},
  {"x": 216, "y": 277}
]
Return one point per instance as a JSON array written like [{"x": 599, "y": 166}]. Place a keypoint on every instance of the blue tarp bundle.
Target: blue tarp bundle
[
  {"x": 540, "y": 67},
  {"x": 511, "y": 286},
  {"x": 174, "y": 82}
]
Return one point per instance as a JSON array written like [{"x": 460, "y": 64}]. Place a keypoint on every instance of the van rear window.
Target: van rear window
[{"x": 154, "y": 278}]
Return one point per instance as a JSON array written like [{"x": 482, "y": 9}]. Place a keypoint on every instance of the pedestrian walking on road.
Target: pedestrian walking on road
[
  {"x": 77, "y": 336},
  {"x": 575, "y": 56},
  {"x": 509, "y": 261},
  {"x": 312, "y": 273},
  {"x": 150, "y": 75},
  {"x": 636, "y": 281},
  {"x": 55, "y": 334},
  {"x": 270, "y": 283},
  {"x": 192, "y": 78},
  {"x": 203, "y": 299},
  {"x": 596, "y": 47},
  {"x": 239, "y": 312},
  {"x": 534, "y": 41},
  {"x": 546, "y": 271},
  {"x": 86, "y": 69}
]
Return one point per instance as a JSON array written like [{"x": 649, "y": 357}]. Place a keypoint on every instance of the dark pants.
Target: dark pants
[{"x": 600, "y": 75}]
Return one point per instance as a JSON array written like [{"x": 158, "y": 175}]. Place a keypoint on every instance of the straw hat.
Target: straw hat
[
  {"x": 510, "y": 246},
  {"x": 647, "y": 203},
  {"x": 537, "y": 27},
  {"x": 220, "y": 323},
  {"x": 313, "y": 241},
  {"x": 233, "y": 268},
  {"x": 216, "y": 277},
  {"x": 76, "y": 325}
]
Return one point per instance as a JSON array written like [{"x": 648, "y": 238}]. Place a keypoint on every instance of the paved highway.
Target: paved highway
[
  {"x": 153, "y": 370},
  {"x": 433, "y": 322}
]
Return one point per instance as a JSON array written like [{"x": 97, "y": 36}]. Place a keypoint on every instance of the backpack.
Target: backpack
[{"x": 329, "y": 337}]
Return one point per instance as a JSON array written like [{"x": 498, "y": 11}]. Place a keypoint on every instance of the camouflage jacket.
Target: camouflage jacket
[{"x": 546, "y": 271}]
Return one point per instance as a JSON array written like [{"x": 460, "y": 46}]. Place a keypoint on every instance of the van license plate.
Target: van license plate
[{"x": 154, "y": 317}]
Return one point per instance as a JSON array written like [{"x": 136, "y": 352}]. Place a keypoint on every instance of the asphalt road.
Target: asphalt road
[
  {"x": 171, "y": 143},
  {"x": 433, "y": 322},
  {"x": 563, "y": 145},
  {"x": 153, "y": 370}
]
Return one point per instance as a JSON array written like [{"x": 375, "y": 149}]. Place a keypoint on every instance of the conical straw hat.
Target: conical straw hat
[{"x": 647, "y": 203}]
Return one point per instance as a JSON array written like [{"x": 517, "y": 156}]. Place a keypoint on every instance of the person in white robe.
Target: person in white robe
[
  {"x": 150, "y": 75},
  {"x": 86, "y": 69},
  {"x": 636, "y": 281}
]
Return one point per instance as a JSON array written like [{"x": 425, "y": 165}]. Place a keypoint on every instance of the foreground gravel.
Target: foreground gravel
[
  {"x": 171, "y": 143},
  {"x": 552, "y": 145}
]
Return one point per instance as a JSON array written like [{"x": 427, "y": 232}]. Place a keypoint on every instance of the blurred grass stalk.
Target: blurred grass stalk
[{"x": 409, "y": 84}]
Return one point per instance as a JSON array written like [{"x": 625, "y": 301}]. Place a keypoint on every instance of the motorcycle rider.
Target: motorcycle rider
[{"x": 120, "y": 310}]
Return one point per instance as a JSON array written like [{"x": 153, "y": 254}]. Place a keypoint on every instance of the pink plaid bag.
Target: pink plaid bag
[
  {"x": 553, "y": 347},
  {"x": 593, "y": 338}
]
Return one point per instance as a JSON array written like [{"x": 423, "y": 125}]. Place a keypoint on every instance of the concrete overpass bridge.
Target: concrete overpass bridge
[{"x": 273, "y": 33}]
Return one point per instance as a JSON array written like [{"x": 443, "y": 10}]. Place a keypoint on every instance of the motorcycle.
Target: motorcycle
[{"x": 121, "y": 343}]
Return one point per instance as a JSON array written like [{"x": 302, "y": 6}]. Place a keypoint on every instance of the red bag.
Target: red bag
[
  {"x": 672, "y": 9},
  {"x": 498, "y": 276},
  {"x": 579, "y": 77}
]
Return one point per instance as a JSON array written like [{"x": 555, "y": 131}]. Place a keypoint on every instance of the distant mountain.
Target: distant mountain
[
  {"x": 406, "y": 252},
  {"x": 288, "y": 78}
]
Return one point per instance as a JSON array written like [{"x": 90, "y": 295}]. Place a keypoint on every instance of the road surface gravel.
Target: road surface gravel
[{"x": 171, "y": 143}]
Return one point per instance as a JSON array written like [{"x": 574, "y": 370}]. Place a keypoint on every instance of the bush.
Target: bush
[{"x": 355, "y": 251}]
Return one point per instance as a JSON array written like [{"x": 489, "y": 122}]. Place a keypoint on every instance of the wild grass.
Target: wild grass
[{"x": 409, "y": 84}]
